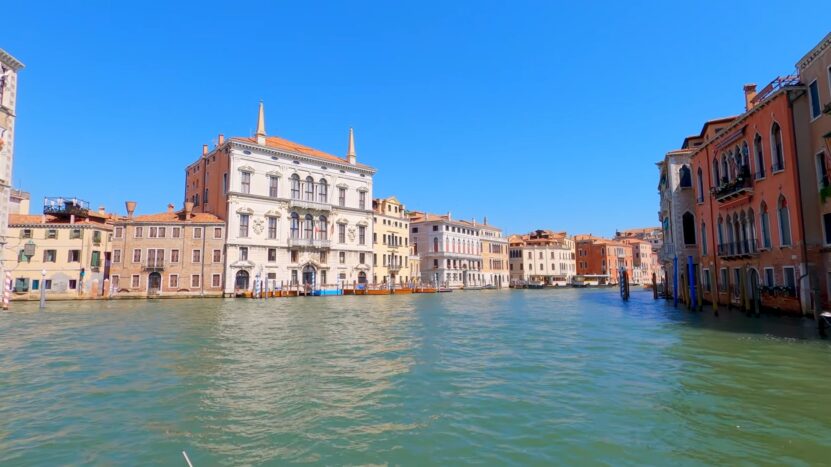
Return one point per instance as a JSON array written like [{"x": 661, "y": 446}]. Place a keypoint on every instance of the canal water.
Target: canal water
[{"x": 490, "y": 377}]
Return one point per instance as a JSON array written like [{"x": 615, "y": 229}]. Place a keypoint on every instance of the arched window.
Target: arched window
[
  {"x": 751, "y": 223},
  {"x": 685, "y": 177},
  {"x": 776, "y": 148},
  {"x": 725, "y": 170},
  {"x": 308, "y": 227},
  {"x": 310, "y": 189},
  {"x": 745, "y": 162},
  {"x": 760, "y": 156},
  {"x": 295, "y": 186},
  {"x": 704, "y": 239},
  {"x": 689, "y": 228},
  {"x": 716, "y": 176},
  {"x": 700, "y": 180},
  {"x": 295, "y": 225},
  {"x": 765, "y": 219},
  {"x": 720, "y": 234},
  {"x": 323, "y": 191},
  {"x": 784, "y": 222},
  {"x": 322, "y": 228},
  {"x": 435, "y": 245}
]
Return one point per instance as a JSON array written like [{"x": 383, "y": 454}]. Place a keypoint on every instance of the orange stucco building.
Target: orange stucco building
[
  {"x": 600, "y": 256},
  {"x": 746, "y": 223}
]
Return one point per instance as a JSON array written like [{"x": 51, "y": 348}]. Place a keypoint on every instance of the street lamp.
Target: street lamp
[{"x": 43, "y": 289}]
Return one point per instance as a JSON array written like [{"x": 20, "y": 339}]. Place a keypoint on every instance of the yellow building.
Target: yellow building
[
  {"x": 494, "y": 256},
  {"x": 391, "y": 242},
  {"x": 65, "y": 251}
]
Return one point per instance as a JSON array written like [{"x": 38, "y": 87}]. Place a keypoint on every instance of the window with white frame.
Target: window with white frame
[
  {"x": 770, "y": 279},
  {"x": 137, "y": 255},
  {"x": 173, "y": 281},
  {"x": 197, "y": 232},
  {"x": 135, "y": 281},
  {"x": 816, "y": 105},
  {"x": 216, "y": 280},
  {"x": 243, "y": 225},
  {"x": 245, "y": 182},
  {"x": 196, "y": 256},
  {"x": 272, "y": 186},
  {"x": 195, "y": 280}
]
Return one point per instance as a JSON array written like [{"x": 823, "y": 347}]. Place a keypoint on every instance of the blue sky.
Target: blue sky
[{"x": 534, "y": 114}]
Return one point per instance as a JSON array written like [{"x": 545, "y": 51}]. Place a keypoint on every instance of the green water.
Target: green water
[{"x": 491, "y": 377}]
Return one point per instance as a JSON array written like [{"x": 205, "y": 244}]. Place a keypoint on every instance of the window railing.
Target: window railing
[
  {"x": 738, "y": 249},
  {"x": 743, "y": 182},
  {"x": 153, "y": 264}
]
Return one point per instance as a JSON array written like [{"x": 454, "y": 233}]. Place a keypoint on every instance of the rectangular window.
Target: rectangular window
[
  {"x": 217, "y": 256},
  {"x": 294, "y": 276},
  {"x": 174, "y": 256},
  {"x": 73, "y": 284},
  {"x": 243, "y": 253},
  {"x": 216, "y": 280},
  {"x": 245, "y": 182},
  {"x": 153, "y": 232},
  {"x": 138, "y": 232},
  {"x": 116, "y": 256},
  {"x": 74, "y": 233},
  {"x": 96, "y": 237},
  {"x": 217, "y": 232},
  {"x": 243, "y": 225},
  {"x": 194, "y": 280},
  {"x": 26, "y": 233},
  {"x": 324, "y": 257},
  {"x": 272, "y": 228},
  {"x": 342, "y": 233},
  {"x": 723, "y": 279},
  {"x": 789, "y": 276},
  {"x": 341, "y": 196},
  {"x": 294, "y": 256},
  {"x": 342, "y": 257},
  {"x": 74, "y": 256},
  {"x": 816, "y": 106},
  {"x": 50, "y": 256},
  {"x": 161, "y": 232},
  {"x": 47, "y": 284},
  {"x": 272, "y": 186},
  {"x": 174, "y": 281},
  {"x": 95, "y": 260},
  {"x": 362, "y": 200},
  {"x": 362, "y": 258},
  {"x": 826, "y": 223},
  {"x": 770, "y": 280},
  {"x": 197, "y": 232},
  {"x": 272, "y": 255},
  {"x": 52, "y": 234},
  {"x": 362, "y": 234},
  {"x": 135, "y": 281},
  {"x": 137, "y": 255},
  {"x": 176, "y": 232},
  {"x": 196, "y": 256},
  {"x": 224, "y": 183}
]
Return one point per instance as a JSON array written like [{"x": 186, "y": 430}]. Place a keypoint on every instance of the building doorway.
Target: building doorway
[
  {"x": 241, "y": 280},
  {"x": 753, "y": 290},
  {"x": 362, "y": 277},
  {"x": 154, "y": 283},
  {"x": 309, "y": 276}
]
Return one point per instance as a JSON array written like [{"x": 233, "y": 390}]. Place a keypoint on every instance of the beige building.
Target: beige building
[
  {"x": 169, "y": 254},
  {"x": 494, "y": 256},
  {"x": 391, "y": 242},
  {"x": 63, "y": 251},
  {"x": 542, "y": 257},
  {"x": 9, "y": 67}
]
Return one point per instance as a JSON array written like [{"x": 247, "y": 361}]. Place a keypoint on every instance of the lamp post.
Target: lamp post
[{"x": 43, "y": 289}]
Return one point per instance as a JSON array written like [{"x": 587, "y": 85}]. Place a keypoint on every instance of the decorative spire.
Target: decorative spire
[
  {"x": 350, "y": 151},
  {"x": 261, "y": 125}
]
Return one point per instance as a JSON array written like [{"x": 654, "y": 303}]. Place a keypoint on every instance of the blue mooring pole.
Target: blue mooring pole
[
  {"x": 691, "y": 275},
  {"x": 675, "y": 281}
]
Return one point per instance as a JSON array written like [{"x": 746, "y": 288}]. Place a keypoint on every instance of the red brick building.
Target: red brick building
[{"x": 600, "y": 256}]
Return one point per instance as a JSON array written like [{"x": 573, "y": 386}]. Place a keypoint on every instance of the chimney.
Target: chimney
[
  {"x": 170, "y": 208},
  {"x": 220, "y": 140},
  {"x": 131, "y": 208},
  {"x": 449, "y": 217},
  {"x": 749, "y": 95},
  {"x": 188, "y": 209},
  {"x": 350, "y": 150},
  {"x": 102, "y": 211},
  {"x": 204, "y": 149}
]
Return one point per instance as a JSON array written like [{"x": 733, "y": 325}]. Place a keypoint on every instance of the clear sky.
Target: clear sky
[{"x": 534, "y": 114}]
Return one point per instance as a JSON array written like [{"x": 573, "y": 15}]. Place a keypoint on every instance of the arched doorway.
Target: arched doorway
[
  {"x": 154, "y": 283},
  {"x": 753, "y": 290},
  {"x": 309, "y": 275},
  {"x": 241, "y": 280},
  {"x": 362, "y": 277}
]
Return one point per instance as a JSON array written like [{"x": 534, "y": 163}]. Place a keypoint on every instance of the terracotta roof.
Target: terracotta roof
[
  {"x": 176, "y": 217},
  {"x": 20, "y": 219},
  {"x": 290, "y": 146}
]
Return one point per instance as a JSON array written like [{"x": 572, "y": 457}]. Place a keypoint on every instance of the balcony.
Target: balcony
[
  {"x": 741, "y": 249},
  {"x": 60, "y": 205},
  {"x": 740, "y": 186},
  {"x": 153, "y": 265},
  {"x": 308, "y": 243},
  {"x": 309, "y": 205}
]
